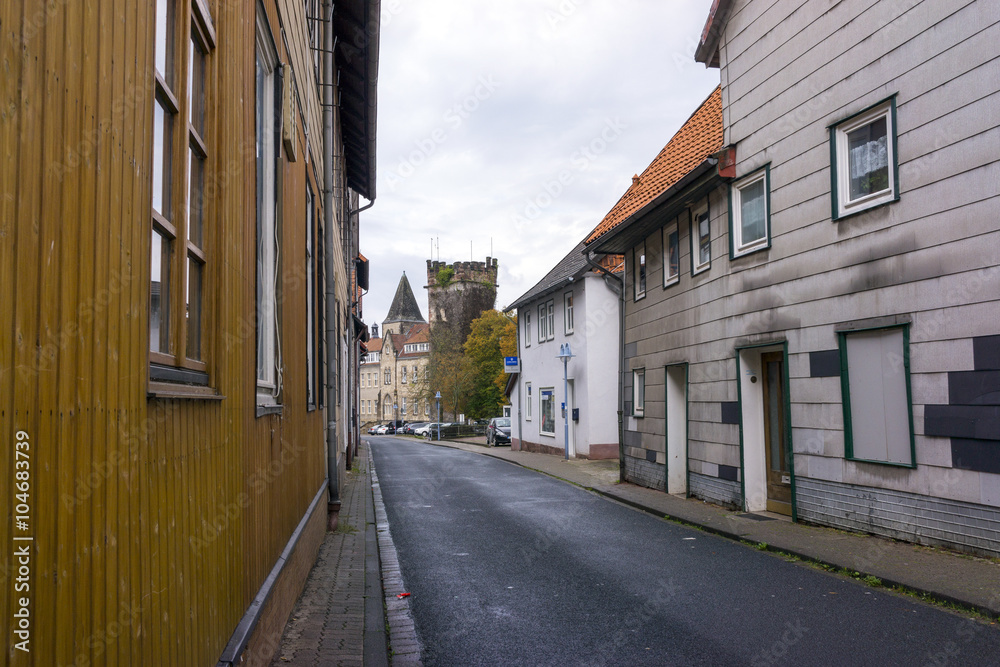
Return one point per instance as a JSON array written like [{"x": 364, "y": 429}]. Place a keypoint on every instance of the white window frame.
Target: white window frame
[
  {"x": 527, "y": 327},
  {"x": 542, "y": 321},
  {"x": 268, "y": 333},
  {"x": 527, "y": 388},
  {"x": 639, "y": 392},
  {"x": 671, "y": 279},
  {"x": 697, "y": 266},
  {"x": 552, "y": 319},
  {"x": 550, "y": 391},
  {"x": 840, "y": 171},
  {"x": 568, "y": 313},
  {"x": 738, "y": 247},
  {"x": 639, "y": 270}
]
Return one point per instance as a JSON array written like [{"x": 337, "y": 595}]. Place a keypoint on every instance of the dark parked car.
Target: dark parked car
[{"x": 498, "y": 431}]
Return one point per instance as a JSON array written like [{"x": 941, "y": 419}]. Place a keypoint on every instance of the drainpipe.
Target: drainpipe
[
  {"x": 329, "y": 240},
  {"x": 352, "y": 354},
  {"x": 617, "y": 285}
]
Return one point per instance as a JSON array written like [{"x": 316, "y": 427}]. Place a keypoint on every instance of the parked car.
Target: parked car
[
  {"x": 385, "y": 429},
  {"x": 427, "y": 429},
  {"x": 372, "y": 429},
  {"x": 498, "y": 431},
  {"x": 409, "y": 429}
]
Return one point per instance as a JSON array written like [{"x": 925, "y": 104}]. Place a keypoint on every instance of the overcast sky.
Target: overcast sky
[{"x": 517, "y": 125}]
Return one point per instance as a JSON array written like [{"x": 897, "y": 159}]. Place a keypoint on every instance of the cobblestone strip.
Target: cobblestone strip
[{"x": 404, "y": 645}]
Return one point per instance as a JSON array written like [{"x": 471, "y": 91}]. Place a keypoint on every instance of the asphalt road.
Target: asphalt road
[{"x": 507, "y": 566}]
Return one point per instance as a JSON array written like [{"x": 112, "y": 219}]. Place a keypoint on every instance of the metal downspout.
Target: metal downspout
[
  {"x": 621, "y": 358},
  {"x": 329, "y": 240},
  {"x": 353, "y": 358}
]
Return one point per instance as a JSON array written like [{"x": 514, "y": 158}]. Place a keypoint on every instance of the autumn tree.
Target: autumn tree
[
  {"x": 449, "y": 371},
  {"x": 493, "y": 335}
]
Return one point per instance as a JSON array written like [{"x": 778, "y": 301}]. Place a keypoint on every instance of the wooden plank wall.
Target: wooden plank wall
[{"x": 155, "y": 521}]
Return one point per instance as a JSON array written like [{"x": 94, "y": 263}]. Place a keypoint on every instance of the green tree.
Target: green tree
[
  {"x": 493, "y": 335},
  {"x": 450, "y": 372}
]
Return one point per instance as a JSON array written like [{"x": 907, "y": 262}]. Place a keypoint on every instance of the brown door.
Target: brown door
[{"x": 779, "y": 485}]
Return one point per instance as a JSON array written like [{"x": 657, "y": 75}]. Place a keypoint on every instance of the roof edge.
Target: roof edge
[
  {"x": 708, "y": 47},
  {"x": 665, "y": 196}
]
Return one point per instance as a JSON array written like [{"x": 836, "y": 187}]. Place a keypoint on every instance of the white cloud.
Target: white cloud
[{"x": 518, "y": 123}]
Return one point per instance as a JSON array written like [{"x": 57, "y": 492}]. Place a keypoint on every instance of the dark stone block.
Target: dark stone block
[
  {"x": 731, "y": 413},
  {"x": 824, "y": 364},
  {"x": 633, "y": 439},
  {"x": 727, "y": 472},
  {"x": 986, "y": 353},
  {"x": 977, "y": 455},
  {"x": 978, "y": 422},
  {"x": 650, "y": 456},
  {"x": 630, "y": 350},
  {"x": 974, "y": 388}
]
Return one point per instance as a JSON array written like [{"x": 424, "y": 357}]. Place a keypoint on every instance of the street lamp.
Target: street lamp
[
  {"x": 565, "y": 353},
  {"x": 437, "y": 397},
  {"x": 395, "y": 420}
]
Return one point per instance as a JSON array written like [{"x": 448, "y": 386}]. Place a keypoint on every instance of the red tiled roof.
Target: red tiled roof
[
  {"x": 374, "y": 345},
  {"x": 698, "y": 138}
]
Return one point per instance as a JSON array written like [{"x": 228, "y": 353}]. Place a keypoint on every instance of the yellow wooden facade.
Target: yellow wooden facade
[{"x": 154, "y": 521}]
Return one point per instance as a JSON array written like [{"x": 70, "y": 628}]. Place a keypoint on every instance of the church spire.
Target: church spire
[{"x": 404, "y": 306}]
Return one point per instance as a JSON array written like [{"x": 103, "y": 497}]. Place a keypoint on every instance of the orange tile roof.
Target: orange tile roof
[
  {"x": 698, "y": 138},
  {"x": 375, "y": 345}
]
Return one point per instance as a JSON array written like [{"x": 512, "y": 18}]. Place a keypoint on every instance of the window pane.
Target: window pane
[
  {"x": 159, "y": 295},
  {"x": 704, "y": 240},
  {"x": 752, "y": 202},
  {"x": 196, "y": 89},
  {"x": 868, "y": 158},
  {"x": 165, "y": 39},
  {"x": 196, "y": 188},
  {"x": 673, "y": 254},
  {"x": 642, "y": 271},
  {"x": 194, "y": 308},
  {"x": 161, "y": 159}
]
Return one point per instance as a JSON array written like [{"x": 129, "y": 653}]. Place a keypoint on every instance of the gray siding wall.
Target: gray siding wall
[
  {"x": 904, "y": 516},
  {"x": 789, "y": 71}
]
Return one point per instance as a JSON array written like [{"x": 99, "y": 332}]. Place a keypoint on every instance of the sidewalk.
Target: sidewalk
[
  {"x": 970, "y": 582},
  {"x": 339, "y": 619}
]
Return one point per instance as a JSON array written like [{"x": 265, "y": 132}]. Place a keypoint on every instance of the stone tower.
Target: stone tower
[
  {"x": 404, "y": 311},
  {"x": 458, "y": 293}
]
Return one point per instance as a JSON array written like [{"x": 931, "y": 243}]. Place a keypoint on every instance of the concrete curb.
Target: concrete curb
[{"x": 404, "y": 644}]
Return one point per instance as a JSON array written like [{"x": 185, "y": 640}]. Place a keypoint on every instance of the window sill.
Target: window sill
[
  {"x": 547, "y": 435},
  {"x": 263, "y": 410},
  {"x": 169, "y": 390},
  {"x": 864, "y": 206},
  {"x": 893, "y": 464},
  {"x": 751, "y": 250}
]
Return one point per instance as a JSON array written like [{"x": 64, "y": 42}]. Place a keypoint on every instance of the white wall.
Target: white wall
[{"x": 593, "y": 371}]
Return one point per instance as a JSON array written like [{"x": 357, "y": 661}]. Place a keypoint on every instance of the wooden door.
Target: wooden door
[{"x": 776, "y": 454}]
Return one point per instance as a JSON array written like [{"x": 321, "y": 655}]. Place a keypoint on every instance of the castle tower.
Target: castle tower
[
  {"x": 459, "y": 293},
  {"x": 404, "y": 311}
]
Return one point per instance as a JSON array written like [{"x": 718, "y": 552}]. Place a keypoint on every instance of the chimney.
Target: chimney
[{"x": 635, "y": 179}]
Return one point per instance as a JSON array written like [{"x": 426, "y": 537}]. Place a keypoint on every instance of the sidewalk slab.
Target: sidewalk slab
[{"x": 960, "y": 579}]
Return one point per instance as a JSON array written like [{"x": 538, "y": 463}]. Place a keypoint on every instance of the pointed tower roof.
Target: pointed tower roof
[{"x": 404, "y": 306}]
